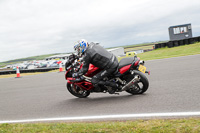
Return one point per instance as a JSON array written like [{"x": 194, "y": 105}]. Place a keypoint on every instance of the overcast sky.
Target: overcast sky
[{"x": 37, "y": 27}]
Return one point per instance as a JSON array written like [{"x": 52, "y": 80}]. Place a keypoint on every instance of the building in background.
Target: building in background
[{"x": 180, "y": 32}]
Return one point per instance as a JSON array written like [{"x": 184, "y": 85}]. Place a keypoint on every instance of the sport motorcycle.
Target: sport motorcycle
[{"x": 129, "y": 77}]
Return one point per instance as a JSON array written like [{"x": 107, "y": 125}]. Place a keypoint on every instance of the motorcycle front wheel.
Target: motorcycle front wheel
[
  {"x": 77, "y": 91},
  {"x": 141, "y": 86}
]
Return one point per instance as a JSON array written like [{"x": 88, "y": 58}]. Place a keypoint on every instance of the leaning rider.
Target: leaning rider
[{"x": 98, "y": 56}]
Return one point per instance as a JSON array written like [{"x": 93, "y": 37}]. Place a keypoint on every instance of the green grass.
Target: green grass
[
  {"x": 190, "y": 125},
  {"x": 162, "y": 53}
]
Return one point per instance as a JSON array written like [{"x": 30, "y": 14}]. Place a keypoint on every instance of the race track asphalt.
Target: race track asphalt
[{"x": 174, "y": 87}]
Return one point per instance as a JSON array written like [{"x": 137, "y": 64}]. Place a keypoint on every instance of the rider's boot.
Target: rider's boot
[
  {"x": 113, "y": 85},
  {"x": 97, "y": 88}
]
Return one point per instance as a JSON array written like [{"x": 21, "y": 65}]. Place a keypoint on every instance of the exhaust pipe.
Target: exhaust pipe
[{"x": 133, "y": 81}]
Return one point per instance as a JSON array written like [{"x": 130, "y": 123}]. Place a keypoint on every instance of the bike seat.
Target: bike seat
[{"x": 126, "y": 61}]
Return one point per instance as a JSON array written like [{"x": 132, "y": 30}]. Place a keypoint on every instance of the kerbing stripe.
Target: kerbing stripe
[{"x": 147, "y": 115}]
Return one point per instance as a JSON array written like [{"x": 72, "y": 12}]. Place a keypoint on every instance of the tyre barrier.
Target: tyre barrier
[
  {"x": 176, "y": 43},
  {"x": 28, "y": 70}
]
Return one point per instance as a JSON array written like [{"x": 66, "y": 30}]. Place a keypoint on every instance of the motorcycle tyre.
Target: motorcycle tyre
[
  {"x": 143, "y": 80},
  {"x": 69, "y": 87}
]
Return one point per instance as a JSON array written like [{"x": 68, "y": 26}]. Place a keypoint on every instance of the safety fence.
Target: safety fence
[
  {"x": 176, "y": 43},
  {"x": 28, "y": 70}
]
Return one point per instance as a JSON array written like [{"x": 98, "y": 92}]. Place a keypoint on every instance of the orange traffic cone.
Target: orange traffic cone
[
  {"x": 18, "y": 72},
  {"x": 60, "y": 67}
]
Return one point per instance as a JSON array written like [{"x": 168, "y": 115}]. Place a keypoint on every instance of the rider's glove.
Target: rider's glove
[
  {"x": 75, "y": 75},
  {"x": 76, "y": 57},
  {"x": 73, "y": 57}
]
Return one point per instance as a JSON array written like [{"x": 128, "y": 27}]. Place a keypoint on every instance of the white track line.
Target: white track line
[{"x": 147, "y": 115}]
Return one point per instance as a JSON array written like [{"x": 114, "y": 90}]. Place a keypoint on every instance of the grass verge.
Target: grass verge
[
  {"x": 162, "y": 53},
  {"x": 189, "y": 125}
]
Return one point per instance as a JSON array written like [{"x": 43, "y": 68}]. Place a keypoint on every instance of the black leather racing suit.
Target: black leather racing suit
[{"x": 99, "y": 57}]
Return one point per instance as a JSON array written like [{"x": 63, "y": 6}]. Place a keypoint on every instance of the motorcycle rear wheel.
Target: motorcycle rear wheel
[
  {"x": 77, "y": 91},
  {"x": 141, "y": 86}
]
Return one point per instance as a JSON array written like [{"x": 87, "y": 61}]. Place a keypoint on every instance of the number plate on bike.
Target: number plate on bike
[{"x": 142, "y": 68}]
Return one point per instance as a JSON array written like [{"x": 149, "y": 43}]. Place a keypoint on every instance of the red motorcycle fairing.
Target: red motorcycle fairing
[
  {"x": 85, "y": 85},
  {"x": 69, "y": 80},
  {"x": 124, "y": 69},
  {"x": 93, "y": 70}
]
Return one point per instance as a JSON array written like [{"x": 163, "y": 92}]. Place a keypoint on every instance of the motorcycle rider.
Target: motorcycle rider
[{"x": 98, "y": 56}]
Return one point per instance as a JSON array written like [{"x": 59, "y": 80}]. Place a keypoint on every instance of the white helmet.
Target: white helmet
[{"x": 80, "y": 46}]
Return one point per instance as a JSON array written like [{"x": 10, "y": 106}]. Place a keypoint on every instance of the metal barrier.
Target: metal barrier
[
  {"x": 28, "y": 70},
  {"x": 176, "y": 43}
]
